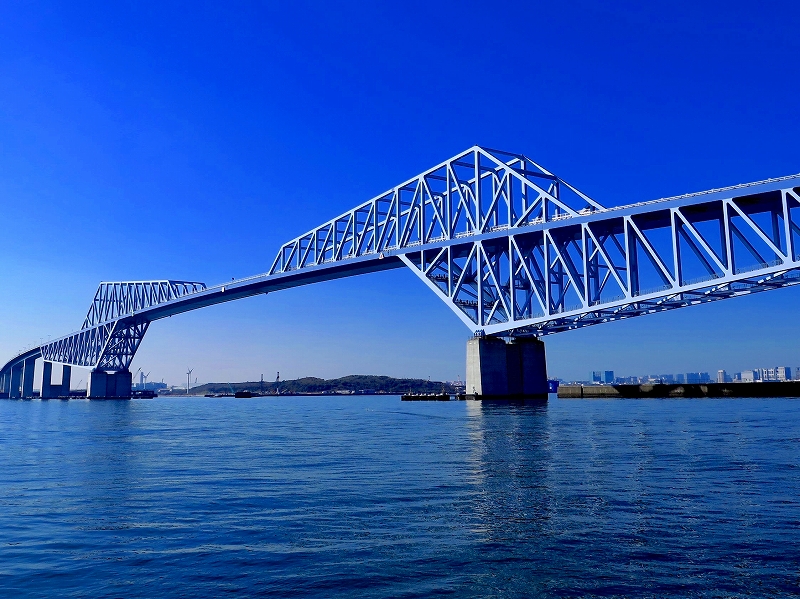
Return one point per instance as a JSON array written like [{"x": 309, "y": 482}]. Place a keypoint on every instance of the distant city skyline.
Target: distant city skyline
[{"x": 771, "y": 373}]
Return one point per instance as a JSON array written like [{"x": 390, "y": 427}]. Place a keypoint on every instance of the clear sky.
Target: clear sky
[{"x": 189, "y": 140}]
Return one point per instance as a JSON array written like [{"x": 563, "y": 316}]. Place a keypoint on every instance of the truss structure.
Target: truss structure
[
  {"x": 619, "y": 263},
  {"x": 117, "y": 299},
  {"x": 514, "y": 250},
  {"x": 510, "y": 247},
  {"x": 476, "y": 192},
  {"x": 107, "y": 346},
  {"x": 116, "y": 323}
]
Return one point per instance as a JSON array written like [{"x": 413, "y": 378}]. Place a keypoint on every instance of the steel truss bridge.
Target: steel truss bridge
[{"x": 511, "y": 248}]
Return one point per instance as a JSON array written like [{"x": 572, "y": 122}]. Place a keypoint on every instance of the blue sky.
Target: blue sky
[{"x": 189, "y": 140}]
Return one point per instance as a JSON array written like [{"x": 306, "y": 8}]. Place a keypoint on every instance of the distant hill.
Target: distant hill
[{"x": 355, "y": 383}]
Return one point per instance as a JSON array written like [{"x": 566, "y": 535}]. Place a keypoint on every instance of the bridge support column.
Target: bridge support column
[
  {"x": 47, "y": 375},
  {"x": 96, "y": 386},
  {"x": 496, "y": 369},
  {"x": 122, "y": 383},
  {"x": 110, "y": 384},
  {"x": 16, "y": 378},
  {"x": 66, "y": 381},
  {"x": 27, "y": 377}
]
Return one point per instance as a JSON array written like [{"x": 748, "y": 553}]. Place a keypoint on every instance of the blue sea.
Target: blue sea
[{"x": 373, "y": 497}]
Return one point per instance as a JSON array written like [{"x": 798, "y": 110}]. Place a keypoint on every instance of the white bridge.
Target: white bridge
[{"x": 512, "y": 249}]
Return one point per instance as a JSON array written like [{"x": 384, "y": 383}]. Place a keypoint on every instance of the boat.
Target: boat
[{"x": 425, "y": 397}]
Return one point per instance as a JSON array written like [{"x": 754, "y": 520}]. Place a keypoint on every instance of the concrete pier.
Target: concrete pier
[
  {"x": 16, "y": 378},
  {"x": 109, "y": 384},
  {"x": 51, "y": 390},
  {"x": 496, "y": 369},
  {"x": 27, "y": 377},
  {"x": 66, "y": 380},
  {"x": 47, "y": 386}
]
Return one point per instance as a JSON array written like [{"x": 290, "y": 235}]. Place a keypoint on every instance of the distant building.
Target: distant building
[
  {"x": 667, "y": 379},
  {"x": 597, "y": 376},
  {"x": 705, "y": 377},
  {"x": 608, "y": 377},
  {"x": 692, "y": 378},
  {"x": 737, "y": 377},
  {"x": 750, "y": 376},
  {"x": 722, "y": 376},
  {"x": 680, "y": 379},
  {"x": 784, "y": 373},
  {"x": 150, "y": 385}
]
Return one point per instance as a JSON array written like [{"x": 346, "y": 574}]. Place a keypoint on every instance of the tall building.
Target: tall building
[
  {"x": 597, "y": 376},
  {"x": 680, "y": 378},
  {"x": 722, "y": 376},
  {"x": 692, "y": 377},
  {"x": 784, "y": 373},
  {"x": 768, "y": 374},
  {"x": 608, "y": 377},
  {"x": 750, "y": 376}
]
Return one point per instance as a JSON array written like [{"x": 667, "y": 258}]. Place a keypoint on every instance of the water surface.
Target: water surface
[{"x": 374, "y": 497}]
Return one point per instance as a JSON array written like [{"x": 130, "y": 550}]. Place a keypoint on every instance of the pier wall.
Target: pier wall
[{"x": 496, "y": 369}]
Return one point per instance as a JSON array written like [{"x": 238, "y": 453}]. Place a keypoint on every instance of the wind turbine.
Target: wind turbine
[{"x": 188, "y": 375}]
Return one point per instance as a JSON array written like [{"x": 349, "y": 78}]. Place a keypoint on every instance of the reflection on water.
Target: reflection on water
[
  {"x": 368, "y": 496},
  {"x": 511, "y": 462}
]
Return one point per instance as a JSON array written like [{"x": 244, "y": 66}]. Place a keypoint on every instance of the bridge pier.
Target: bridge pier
[
  {"x": 66, "y": 377},
  {"x": 50, "y": 390},
  {"x": 497, "y": 370},
  {"x": 47, "y": 375},
  {"x": 109, "y": 384},
  {"x": 29, "y": 367},
  {"x": 16, "y": 378}
]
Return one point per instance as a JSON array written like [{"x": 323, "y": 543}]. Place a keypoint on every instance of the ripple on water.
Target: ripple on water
[{"x": 365, "y": 496}]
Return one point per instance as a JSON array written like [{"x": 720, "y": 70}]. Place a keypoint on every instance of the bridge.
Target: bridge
[{"x": 515, "y": 251}]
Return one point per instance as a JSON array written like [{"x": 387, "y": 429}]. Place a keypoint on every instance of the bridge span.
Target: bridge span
[{"x": 515, "y": 251}]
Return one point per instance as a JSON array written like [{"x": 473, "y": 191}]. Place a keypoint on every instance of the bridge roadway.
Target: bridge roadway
[{"x": 516, "y": 252}]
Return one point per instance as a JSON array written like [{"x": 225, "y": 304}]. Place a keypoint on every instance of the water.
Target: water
[{"x": 371, "y": 497}]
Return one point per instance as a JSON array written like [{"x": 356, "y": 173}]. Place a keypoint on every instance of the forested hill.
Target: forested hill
[{"x": 355, "y": 383}]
